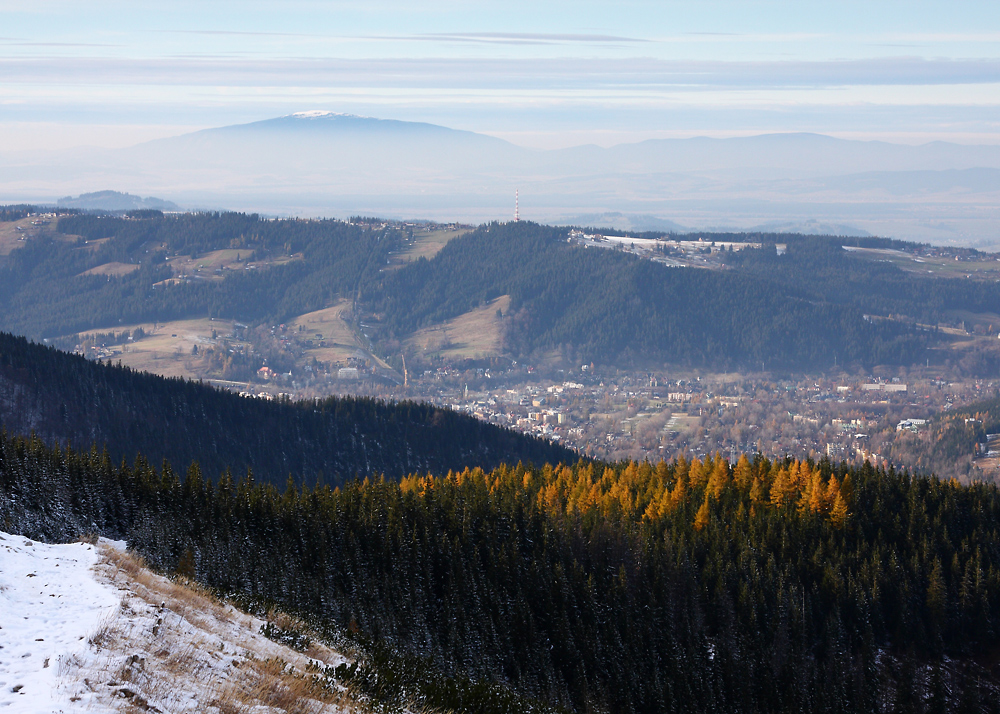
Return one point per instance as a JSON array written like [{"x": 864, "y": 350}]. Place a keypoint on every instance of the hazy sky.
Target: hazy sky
[{"x": 540, "y": 73}]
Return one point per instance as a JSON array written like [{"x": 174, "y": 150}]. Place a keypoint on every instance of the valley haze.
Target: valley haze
[{"x": 314, "y": 163}]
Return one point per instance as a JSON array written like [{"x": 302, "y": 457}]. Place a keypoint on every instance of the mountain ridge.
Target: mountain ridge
[
  {"x": 324, "y": 163},
  {"x": 66, "y": 399}
]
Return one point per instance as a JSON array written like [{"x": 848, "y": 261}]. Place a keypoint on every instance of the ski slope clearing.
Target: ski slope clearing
[{"x": 87, "y": 628}]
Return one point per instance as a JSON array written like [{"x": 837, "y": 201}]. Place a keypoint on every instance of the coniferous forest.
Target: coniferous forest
[
  {"x": 481, "y": 570},
  {"x": 610, "y": 307},
  {"x": 804, "y": 309},
  {"x": 69, "y": 400},
  {"x": 686, "y": 586}
]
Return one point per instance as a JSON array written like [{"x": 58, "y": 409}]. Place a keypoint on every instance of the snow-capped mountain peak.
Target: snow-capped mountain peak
[{"x": 321, "y": 114}]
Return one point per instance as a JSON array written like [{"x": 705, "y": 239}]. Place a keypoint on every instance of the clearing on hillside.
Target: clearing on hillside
[
  {"x": 167, "y": 347},
  {"x": 476, "y": 334},
  {"x": 425, "y": 244},
  {"x": 114, "y": 268},
  {"x": 325, "y": 336},
  {"x": 214, "y": 265},
  {"x": 932, "y": 266},
  {"x": 14, "y": 234}
]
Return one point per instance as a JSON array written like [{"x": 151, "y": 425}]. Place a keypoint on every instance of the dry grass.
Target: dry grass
[
  {"x": 114, "y": 268},
  {"x": 939, "y": 266},
  {"x": 326, "y": 326},
  {"x": 273, "y": 683},
  {"x": 11, "y": 238},
  {"x": 226, "y": 260},
  {"x": 166, "y": 348},
  {"x": 14, "y": 234},
  {"x": 476, "y": 334},
  {"x": 426, "y": 244},
  {"x": 173, "y": 646}
]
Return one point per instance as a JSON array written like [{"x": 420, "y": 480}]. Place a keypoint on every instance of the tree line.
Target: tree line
[
  {"x": 817, "y": 268},
  {"x": 70, "y": 400},
  {"x": 45, "y": 293},
  {"x": 610, "y": 307},
  {"x": 687, "y": 586},
  {"x": 802, "y": 310}
]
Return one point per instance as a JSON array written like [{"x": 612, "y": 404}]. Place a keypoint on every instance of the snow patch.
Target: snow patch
[
  {"x": 50, "y": 604},
  {"x": 88, "y": 628},
  {"x": 320, "y": 113}
]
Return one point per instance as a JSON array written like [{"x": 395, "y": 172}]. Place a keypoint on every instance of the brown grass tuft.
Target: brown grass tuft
[{"x": 171, "y": 638}]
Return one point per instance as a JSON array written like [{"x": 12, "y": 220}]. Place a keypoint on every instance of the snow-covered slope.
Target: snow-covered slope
[
  {"x": 49, "y": 605},
  {"x": 87, "y": 628}
]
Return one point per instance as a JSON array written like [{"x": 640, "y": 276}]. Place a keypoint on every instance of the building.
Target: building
[
  {"x": 910, "y": 424},
  {"x": 879, "y": 387}
]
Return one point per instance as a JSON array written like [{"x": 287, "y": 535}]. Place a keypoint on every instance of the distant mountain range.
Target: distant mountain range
[
  {"x": 622, "y": 221},
  {"x": 323, "y": 163},
  {"x": 115, "y": 201}
]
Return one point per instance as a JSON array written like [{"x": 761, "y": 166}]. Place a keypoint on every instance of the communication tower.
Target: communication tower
[{"x": 517, "y": 216}]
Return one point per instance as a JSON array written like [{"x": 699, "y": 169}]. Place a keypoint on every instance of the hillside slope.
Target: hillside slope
[
  {"x": 323, "y": 163},
  {"x": 50, "y": 603},
  {"x": 688, "y": 587},
  {"x": 66, "y": 399},
  {"x": 814, "y": 306},
  {"x": 106, "y": 635},
  {"x": 608, "y": 307}
]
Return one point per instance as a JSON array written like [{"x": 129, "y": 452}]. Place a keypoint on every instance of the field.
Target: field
[
  {"x": 10, "y": 237},
  {"x": 116, "y": 269},
  {"x": 990, "y": 462},
  {"x": 682, "y": 423},
  {"x": 167, "y": 347},
  {"x": 477, "y": 333},
  {"x": 934, "y": 266},
  {"x": 212, "y": 265},
  {"x": 13, "y": 234},
  {"x": 326, "y": 336},
  {"x": 425, "y": 244}
]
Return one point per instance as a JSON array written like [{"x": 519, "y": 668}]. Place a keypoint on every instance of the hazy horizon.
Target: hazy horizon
[
  {"x": 315, "y": 164},
  {"x": 562, "y": 77},
  {"x": 554, "y": 75}
]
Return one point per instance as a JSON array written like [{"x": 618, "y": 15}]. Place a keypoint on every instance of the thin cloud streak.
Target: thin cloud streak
[
  {"x": 493, "y": 74},
  {"x": 236, "y": 33},
  {"x": 528, "y": 36},
  {"x": 479, "y": 37},
  {"x": 61, "y": 44}
]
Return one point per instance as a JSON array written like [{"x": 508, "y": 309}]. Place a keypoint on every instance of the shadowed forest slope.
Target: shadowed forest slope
[
  {"x": 686, "y": 587},
  {"x": 68, "y": 399}
]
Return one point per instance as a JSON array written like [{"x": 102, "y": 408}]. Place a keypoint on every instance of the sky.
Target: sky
[{"x": 541, "y": 74}]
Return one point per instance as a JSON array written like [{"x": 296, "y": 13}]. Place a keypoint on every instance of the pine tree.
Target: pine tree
[
  {"x": 839, "y": 512},
  {"x": 937, "y": 591},
  {"x": 704, "y": 513},
  {"x": 743, "y": 474},
  {"x": 719, "y": 478}
]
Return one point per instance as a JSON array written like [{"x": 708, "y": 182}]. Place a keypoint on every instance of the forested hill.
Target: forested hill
[
  {"x": 818, "y": 268},
  {"x": 46, "y": 289},
  {"x": 802, "y": 310},
  {"x": 697, "y": 586},
  {"x": 606, "y": 306},
  {"x": 68, "y": 399}
]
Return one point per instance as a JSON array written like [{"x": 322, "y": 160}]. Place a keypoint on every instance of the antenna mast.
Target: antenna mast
[{"x": 517, "y": 215}]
